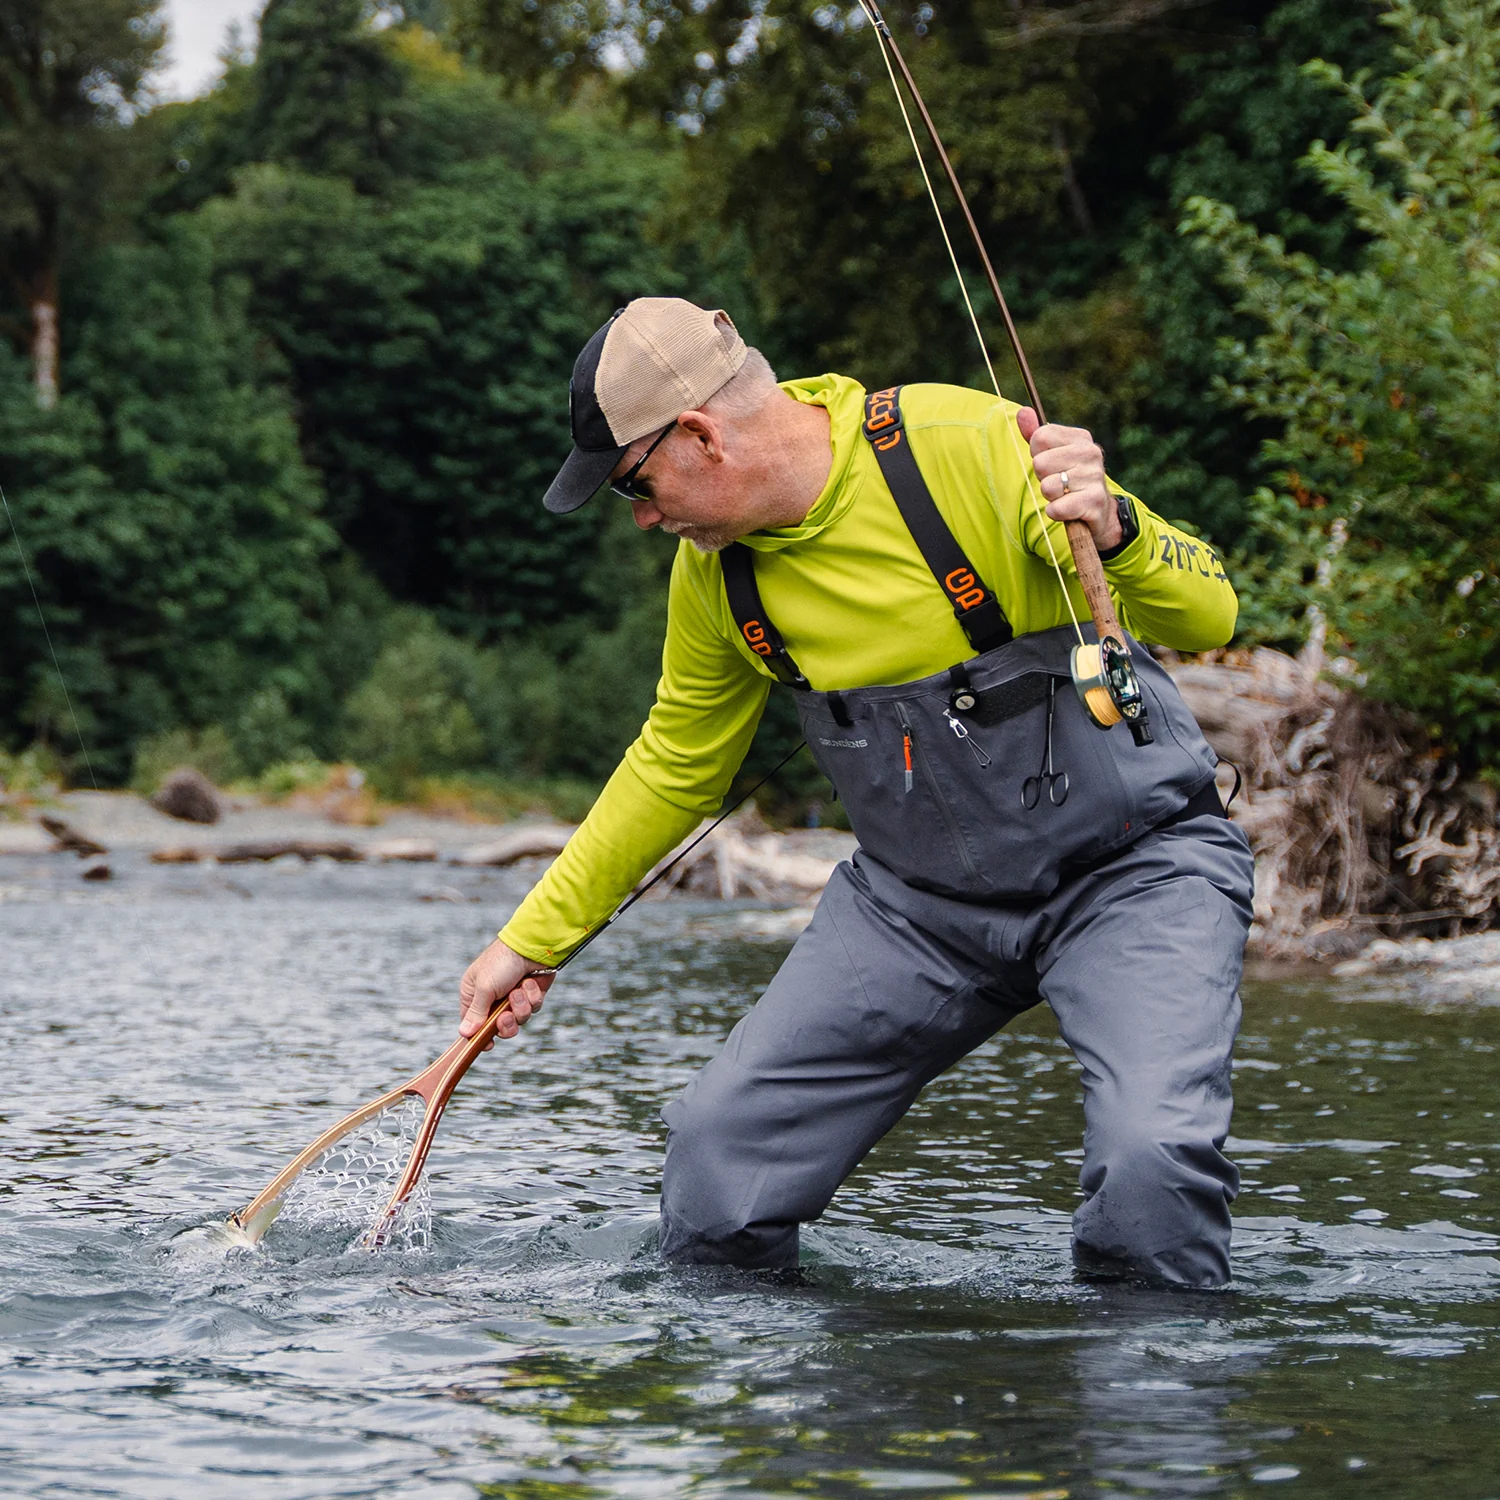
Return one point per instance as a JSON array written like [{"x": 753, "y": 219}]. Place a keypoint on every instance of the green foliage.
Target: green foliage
[
  {"x": 797, "y": 149},
  {"x": 800, "y": 147},
  {"x": 423, "y": 291},
  {"x": 436, "y": 705},
  {"x": 1248, "y": 110},
  {"x": 34, "y": 771},
  {"x": 1382, "y": 381},
  {"x": 430, "y": 335},
  {"x": 419, "y": 710},
  {"x": 71, "y": 72},
  {"x": 285, "y": 778},
  {"x": 1096, "y": 361},
  {"x": 172, "y": 525},
  {"x": 207, "y": 750},
  {"x": 315, "y": 370},
  {"x": 606, "y": 680},
  {"x": 266, "y": 732},
  {"x": 1078, "y": 135},
  {"x": 330, "y": 96}
]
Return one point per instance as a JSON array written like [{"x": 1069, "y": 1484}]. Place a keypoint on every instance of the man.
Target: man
[{"x": 887, "y": 557}]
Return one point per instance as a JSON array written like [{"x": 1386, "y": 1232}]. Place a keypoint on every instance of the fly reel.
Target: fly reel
[{"x": 1108, "y": 688}]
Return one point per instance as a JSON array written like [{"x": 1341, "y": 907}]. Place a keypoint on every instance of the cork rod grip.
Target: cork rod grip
[{"x": 1091, "y": 576}]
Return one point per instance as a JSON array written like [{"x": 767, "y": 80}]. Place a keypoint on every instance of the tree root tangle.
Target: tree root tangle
[{"x": 1361, "y": 827}]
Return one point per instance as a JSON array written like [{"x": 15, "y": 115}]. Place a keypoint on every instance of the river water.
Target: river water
[{"x": 171, "y": 1038}]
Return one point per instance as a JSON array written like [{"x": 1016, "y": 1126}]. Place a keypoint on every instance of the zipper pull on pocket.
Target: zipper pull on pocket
[
  {"x": 962, "y": 731},
  {"x": 906, "y": 749}
]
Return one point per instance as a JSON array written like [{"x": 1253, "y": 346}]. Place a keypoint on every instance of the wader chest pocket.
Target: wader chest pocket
[
  {"x": 879, "y": 768},
  {"x": 937, "y": 796}
]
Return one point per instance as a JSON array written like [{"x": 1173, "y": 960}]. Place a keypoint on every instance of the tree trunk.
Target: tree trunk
[
  {"x": 1076, "y": 200},
  {"x": 45, "y": 341}
]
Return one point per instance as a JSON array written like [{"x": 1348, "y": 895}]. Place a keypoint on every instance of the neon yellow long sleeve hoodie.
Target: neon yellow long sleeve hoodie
[{"x": 858, "y": 607}]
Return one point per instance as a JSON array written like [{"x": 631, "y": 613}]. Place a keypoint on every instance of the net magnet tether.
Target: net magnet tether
[{"x": 1104, "y": 678}]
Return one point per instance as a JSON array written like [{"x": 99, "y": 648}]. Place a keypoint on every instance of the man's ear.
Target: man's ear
[{"x": 707, "y": 431}]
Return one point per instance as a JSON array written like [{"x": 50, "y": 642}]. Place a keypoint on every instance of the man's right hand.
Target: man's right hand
[{"x": 497, "y": 974}]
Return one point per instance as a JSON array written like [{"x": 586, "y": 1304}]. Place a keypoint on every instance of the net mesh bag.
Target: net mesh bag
[{"x": 346, "y": 1189}]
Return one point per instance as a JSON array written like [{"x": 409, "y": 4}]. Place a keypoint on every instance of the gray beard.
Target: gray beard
[{"x": 704, "y": 540}]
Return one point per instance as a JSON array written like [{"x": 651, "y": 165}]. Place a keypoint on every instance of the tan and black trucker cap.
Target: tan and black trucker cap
[{"x": 655, "y": 359}]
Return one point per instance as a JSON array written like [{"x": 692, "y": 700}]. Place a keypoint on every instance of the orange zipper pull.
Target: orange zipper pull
[{"x": 906, "y": 751}]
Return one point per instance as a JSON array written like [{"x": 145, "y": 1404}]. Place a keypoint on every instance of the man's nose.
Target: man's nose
[{"x": 645, "y": 514}]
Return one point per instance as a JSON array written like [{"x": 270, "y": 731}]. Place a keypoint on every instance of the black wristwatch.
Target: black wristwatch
[{"x": 1129, "y": 528}]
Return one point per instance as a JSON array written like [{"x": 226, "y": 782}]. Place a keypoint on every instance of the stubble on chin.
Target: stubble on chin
[{"x": 704, "y": 538}]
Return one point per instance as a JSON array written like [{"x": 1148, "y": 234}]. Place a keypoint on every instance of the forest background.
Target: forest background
[{"x": 285, "y": 367}]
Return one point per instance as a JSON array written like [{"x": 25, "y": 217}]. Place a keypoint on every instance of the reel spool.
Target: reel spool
[{"x": 1108, "y": 688}]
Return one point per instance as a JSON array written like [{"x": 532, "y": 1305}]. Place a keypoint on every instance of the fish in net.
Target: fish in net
[{"x": 347, "y": 1189}]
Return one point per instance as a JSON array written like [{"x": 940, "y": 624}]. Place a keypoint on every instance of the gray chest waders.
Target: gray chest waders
[{"x": 939, "y": 776}]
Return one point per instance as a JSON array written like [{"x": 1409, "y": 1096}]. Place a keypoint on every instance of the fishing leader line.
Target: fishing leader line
[{"x": 878, "y": 24}]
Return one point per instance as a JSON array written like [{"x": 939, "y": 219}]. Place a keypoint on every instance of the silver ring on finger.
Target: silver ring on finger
[{"x": 1067, "y": 488}]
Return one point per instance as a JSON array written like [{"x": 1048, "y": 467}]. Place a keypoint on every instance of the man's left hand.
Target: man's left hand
[{"x": 1070, "y": 466}]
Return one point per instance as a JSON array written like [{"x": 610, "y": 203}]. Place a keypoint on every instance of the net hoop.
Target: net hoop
[{"x": 434, "y": 1085}]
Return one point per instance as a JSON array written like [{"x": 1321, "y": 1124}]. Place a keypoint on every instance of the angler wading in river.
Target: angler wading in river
[{"x": 881, "y": 555}]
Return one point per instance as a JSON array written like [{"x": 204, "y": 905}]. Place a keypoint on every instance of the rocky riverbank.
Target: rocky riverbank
[{"x": 743, "y": 859}]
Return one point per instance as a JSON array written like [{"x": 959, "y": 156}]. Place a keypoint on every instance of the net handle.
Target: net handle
[
  {"x": 443, "y": 1076},
  {"x": 436, "y": 1082}
]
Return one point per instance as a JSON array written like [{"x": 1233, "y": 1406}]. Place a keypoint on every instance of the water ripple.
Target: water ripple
[{"x": 173, "y": 1039}]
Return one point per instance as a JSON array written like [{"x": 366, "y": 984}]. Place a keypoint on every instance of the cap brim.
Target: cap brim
[{"x": 580, "y": 477}]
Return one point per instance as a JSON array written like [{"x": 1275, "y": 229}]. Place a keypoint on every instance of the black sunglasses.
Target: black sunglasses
[{"x": 628, "y": 485}]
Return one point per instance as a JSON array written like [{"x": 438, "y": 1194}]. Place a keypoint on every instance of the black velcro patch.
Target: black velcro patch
[{"x": 1010, "y": 699}]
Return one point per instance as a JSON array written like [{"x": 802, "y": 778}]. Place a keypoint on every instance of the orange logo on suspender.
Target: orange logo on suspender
[
  {"x": 963, "y": 588},
  {"x": 881, "y": 412},
  {"x": 755, "y": 636}
]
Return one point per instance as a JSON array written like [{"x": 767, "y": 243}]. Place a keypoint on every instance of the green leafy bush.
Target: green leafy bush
[
  {"x": 30, "y": 772},
  {"x": 415, "y": 713},
  {"x": 430, "y": 336},
  {"x": 266, "y": 732},
  {"x": 208, "y": 750},
  {"x": 287, "y": 777},
  {"x": 1382, "y": 382}
]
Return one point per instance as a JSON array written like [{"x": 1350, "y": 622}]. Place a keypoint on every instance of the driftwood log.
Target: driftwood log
[
  {"x": 181, "y": 854},
  {"x": 403, "y": 851},
  {"x": 410, "y": 851},
  {"x": 519, "y": 843},
  {"x": 68, "y": 840},
  {"x": 264, "y": 850},
  {"x": 738, "y": 860}
]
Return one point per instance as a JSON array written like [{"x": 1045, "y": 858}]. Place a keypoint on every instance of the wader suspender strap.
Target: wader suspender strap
[
  {"x": 749, "y": 613},
  {"x": 975, "y": 607}
]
